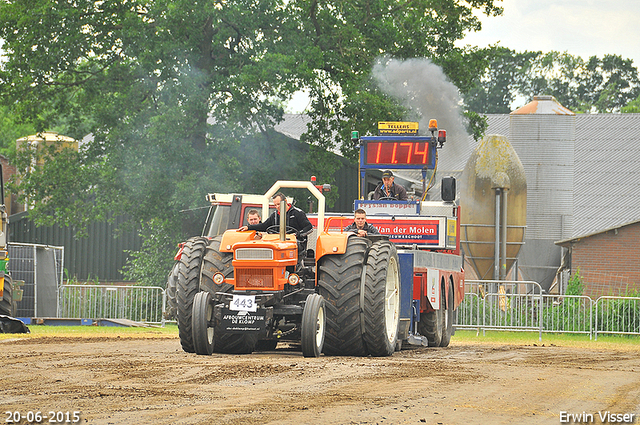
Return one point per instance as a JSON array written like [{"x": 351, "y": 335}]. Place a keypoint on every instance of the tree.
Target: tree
[
  {"x": 11, "y": 130},
  {"x": 595, "y": 85},
  {"x": 170, "y": 88},
  {"x": 496, "y": 89},
  {"x": 632, "y": 107}
]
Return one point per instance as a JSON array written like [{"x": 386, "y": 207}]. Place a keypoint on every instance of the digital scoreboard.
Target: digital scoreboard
[
  {"x": 392, "y": 153},
  {"x": 398, "y": 146}
]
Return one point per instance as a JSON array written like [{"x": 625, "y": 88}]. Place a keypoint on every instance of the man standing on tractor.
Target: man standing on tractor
[
  {"x": 296, "y": 219},
  {"x": 360, "y": 225},
  {"x": 387, "y": 189}
]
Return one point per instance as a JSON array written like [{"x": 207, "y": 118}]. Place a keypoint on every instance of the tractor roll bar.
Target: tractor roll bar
[{"x": 280, "y": 184}]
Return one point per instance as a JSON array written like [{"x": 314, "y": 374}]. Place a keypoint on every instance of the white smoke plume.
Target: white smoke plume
[{"x": 422, "y": 87}]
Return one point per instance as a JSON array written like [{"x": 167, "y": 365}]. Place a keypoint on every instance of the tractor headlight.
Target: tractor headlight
[
  {"x": 218, "y": 278},
  {"x": 294, "y": 279}
]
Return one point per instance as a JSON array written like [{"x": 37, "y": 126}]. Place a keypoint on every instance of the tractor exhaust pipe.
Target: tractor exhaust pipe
[{"x": 283, "y": 219}]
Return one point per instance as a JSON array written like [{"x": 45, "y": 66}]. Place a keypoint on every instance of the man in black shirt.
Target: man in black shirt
[
  {"x": 296, "y": 218},
  {"x": 388, "y": 189},
  {"x": 360, "y": 225}
]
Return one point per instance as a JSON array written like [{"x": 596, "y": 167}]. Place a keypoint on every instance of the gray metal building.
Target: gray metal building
[{"x": 604, "y": 194}]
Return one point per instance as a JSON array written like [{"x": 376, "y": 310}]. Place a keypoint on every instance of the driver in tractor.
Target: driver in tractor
[
  {"x": 387, "y": 189},
  {"x": 360, "y": 225},
  {"x": 296, "y": 219},
  {"x": 253, "y": 217}
]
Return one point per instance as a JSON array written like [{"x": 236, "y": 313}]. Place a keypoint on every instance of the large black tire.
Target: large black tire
[
  {"x": 171, "y": 312},
  {"x": 215, "y": 261},
  {"x": 202, "y": 323},
  {"x": 447, "y": 325},
  {"x": 431, "y": 324},
  {"x": 313, "y": 326},
  {"x": 187, "y": 287},
  {"x": 382, "y": 299},
  {"x": 7, "y": 306},
  {"x": 339, "y": 283}
]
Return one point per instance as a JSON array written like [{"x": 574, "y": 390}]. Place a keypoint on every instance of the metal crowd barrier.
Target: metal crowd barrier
[
  {"x": 617, "y": 315},
  {"x": 138, "y": 303},
  {"x": 567, "y": 314},
  {"x": 502, "y": 305},
  {"x": 521, "y": 306}
]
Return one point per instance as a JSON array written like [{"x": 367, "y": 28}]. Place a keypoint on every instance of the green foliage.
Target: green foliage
[
  {"x": 150, "y": 265},
  {"x": 632, "y": 107},
  {"x": 476, "y": 124},
  {"x": 604, "y": 84},
  {"x": 169, "y": 91},
  {"x": 11, "y": 130},
  {"x": 575, "y": 286}
]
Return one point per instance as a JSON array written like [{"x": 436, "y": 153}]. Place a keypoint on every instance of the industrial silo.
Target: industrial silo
[
  {"x": 543, "y": 135},
  {"x": 493, "y": 205}
]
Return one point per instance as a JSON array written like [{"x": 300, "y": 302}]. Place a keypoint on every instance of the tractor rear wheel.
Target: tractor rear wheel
[
  {"x": 313, "y": 326},
  {"x": 382, "y": 299},
  {"x": 187, "y": 287},
  {"x": 172, "y": 284},
  {"x": 431, "y": 324},
  {"x": 447, "y": 317},
  {"x": 7, "y": 306},
  {"x": 202, "y": 325},
  {"x": 215, "y": 261},
  {"x": 339, "y": 283}
]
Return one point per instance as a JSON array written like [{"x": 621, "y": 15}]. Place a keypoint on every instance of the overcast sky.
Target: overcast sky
[{"x": 580, "y": 27}]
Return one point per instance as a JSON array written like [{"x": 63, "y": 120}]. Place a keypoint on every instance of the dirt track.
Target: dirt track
[{"x": 152, "y": 381}]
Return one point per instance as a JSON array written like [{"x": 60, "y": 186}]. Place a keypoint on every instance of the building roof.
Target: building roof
[
  {"x": 293, "y": 125},
  {"x": 566, "y": 242}
]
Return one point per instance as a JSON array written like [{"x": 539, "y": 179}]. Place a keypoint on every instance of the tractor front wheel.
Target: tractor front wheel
[
  {"x": 202, "y": 325},
  {"x": 313, "y": 326},
  {"x": 7, "y": 306},
  {"x": 172, "y": 284},
  {"x": 447, "y": 317}
]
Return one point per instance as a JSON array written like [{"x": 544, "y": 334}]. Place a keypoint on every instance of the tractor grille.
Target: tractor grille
[
  {"x": 254, "y": 254},
  {"x": 254, "y": 278}
]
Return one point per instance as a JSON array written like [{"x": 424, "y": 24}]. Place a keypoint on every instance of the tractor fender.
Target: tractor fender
[{"x": 331, "y": 243}]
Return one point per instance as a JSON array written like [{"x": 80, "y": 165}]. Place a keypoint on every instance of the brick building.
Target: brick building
[{"x": 607, "y": 260}]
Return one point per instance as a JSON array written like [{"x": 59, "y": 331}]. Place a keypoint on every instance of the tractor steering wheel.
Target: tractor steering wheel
[
  {"x": 288, "y": 230},
  {"x": 387, "y": 198}
]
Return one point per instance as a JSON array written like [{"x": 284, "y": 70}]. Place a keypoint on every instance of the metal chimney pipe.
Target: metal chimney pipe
[
  {"x": 283, "y": 219},
  {"x": 503, "y": 264}
]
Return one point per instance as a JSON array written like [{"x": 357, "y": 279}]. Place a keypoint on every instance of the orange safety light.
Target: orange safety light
[{"x": 433, "y": 125}]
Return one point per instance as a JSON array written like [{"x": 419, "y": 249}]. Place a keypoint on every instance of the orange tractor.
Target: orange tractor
[{"x": 341, "y": 297}]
